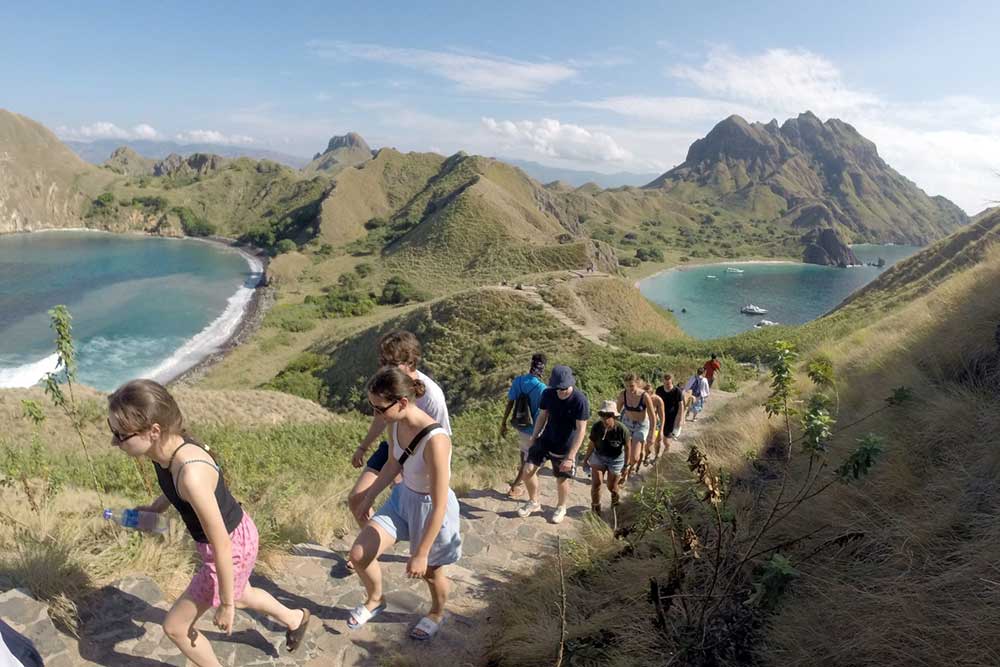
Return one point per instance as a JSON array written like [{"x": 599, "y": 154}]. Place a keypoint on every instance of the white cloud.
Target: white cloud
[
  {"x": 473, "y": 72},
  {"x": 144, "y": 131},
  {"x": 554, "y": 139},
  {"x": 782, "y": 81},
  {"x": 214, "y": 137}
]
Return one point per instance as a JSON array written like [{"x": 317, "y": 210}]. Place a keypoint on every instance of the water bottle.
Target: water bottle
[{"x": 148, "y": 522}]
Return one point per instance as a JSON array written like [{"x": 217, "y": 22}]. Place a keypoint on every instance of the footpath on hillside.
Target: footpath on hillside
[{"x": 121, "y": 625}]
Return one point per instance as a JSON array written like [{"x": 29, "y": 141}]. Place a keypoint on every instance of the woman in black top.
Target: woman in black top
[{"x": 145, "y": 421}]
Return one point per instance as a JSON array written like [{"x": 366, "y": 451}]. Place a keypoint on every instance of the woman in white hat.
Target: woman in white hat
[{"x": 609, "y": 440}]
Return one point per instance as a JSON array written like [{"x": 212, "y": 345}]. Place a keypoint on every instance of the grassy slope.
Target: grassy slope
[{"x": 910, "y": 588}]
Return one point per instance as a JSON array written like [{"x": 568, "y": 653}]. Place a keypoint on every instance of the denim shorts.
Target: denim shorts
[
  {"x": 639, "y": 430},
  {"x": 405, "y": 514},
  {"x": 612, "y": 465}
]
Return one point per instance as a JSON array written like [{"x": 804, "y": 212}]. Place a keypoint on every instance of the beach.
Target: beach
[{"x": 691, "y": 265}]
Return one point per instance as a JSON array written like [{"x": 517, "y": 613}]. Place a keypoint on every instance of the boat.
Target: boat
[
  {"x": 710, "y": 277},
  {"x": 765, "y": 323},
  {"x": 751, "y": 309},
  {"x": 733, "y": 269}
]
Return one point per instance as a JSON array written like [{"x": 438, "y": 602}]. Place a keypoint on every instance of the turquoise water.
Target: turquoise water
[
  {"x": 791, "y": 293},
  {"x": 141, "y": 306}
]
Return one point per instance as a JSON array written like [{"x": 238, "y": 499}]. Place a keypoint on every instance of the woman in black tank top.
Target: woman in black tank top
[{"x": 145, "y": 421}]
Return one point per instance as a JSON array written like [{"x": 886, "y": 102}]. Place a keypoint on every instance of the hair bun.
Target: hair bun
[{"x": 419, "y": 388}]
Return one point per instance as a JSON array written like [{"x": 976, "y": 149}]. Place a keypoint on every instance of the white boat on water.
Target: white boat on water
[
  {"x": 751, "y": 309},
  {"x": 765, "y": 323},
  {"x": 733, "y": 269},
  {"x": 710, "y": 277}
]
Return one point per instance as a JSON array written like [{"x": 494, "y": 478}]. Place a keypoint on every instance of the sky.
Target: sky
[{"x": 623, "y": 86}]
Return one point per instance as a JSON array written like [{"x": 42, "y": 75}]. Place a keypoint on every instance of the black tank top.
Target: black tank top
[{"x": 231, "y": 511}]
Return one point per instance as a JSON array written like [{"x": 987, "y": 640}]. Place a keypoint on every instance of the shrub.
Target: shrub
[
  {"x": 341, "y": 302},
  {"x": 285, "y": 245},
  {"x": 191, "y": 223},
  {"x": 628, "y": 261},
  {"x": 151, "y": 204},
  {"x": 293, "y": 317},
  {"x": 398, "y": 290},
  {"x": 649, "y": 254}
]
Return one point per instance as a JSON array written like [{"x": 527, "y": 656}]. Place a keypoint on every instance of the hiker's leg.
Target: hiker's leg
[
  {"x": 371, "y": 542},
  {"x": 437, "y": 582},
  {"x": 636, "y": 451},
  {"x": 530, "y": 476},
  {"x": 179, "y": 626},
  {"x": 562, "y": 490},
  {"x": 595, "y": 485},
  {"x": 260, "y": 600}
]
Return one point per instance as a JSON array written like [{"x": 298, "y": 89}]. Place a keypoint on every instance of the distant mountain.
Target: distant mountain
[
  {"x": 985, "y": 213},
  {"x": 808, "y": 174},
  {"x": 97, "y": 152},
  {"x": 342, "y": 151},
  {"x": 545, "y": 174}
]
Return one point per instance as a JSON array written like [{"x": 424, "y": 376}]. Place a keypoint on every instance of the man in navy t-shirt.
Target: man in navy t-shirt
[{"x": 559, "y": 432}]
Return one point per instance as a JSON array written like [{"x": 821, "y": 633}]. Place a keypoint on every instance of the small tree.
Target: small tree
[
  {"x": 398, "y": 290},
  {"x": 285, "y": 245}
]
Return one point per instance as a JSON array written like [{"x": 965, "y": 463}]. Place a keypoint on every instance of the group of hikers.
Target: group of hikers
[{"x": 411, "y": 423}]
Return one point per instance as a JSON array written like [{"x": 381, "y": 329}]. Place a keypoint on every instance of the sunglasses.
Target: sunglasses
[
  {"x": 118, "y": 436},
  {"x": 380, "y": 410}
]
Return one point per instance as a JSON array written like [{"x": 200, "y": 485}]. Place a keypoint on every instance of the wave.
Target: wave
[
  {"x": 28, "y": 375},
  {"x": 215, "y": 335}
]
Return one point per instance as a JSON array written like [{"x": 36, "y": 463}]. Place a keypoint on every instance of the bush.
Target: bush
[
  {"x": 628, "y": 261},
  {"x": 649, "y": 254},
  {"x": 293, "y": 317},
  {"x": 398, "y": 290},
  {"x": 341, "y": 302},
  {"x": 363, "y": 269},
  {"x": 192, "y": 224},
  {"x": 151, "y": 204},
  {"x": 285, "y": 245}
]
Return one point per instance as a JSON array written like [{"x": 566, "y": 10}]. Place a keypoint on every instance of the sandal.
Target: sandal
[
  {"x": 294, "y": 637},
  {"x": 516, "y": 491},
  {"x": 426, "y": 627},
  {"x": 361, "y": 614}
]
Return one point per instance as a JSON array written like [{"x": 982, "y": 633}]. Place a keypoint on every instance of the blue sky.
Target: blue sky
[{"x": 605, "y": 86}]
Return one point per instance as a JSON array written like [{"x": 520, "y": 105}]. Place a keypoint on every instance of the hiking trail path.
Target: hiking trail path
[{"x": 122, "y": 624}]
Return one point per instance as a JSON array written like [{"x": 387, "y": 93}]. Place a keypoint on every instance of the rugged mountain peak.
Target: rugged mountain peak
[
  {"x": 125, "y": 160},
  {"x": 196, "y": 163},
  {"x": 351, "y": 140}
]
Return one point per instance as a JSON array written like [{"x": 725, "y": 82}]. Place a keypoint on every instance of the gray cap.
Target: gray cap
[{"x": 562, "y": 377}]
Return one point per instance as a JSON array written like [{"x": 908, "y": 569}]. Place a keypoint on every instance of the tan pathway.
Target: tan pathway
[{"x": 122, "y": 625}]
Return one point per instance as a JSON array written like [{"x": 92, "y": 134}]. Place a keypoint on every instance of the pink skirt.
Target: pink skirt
[{"x": 204, "y": 587}]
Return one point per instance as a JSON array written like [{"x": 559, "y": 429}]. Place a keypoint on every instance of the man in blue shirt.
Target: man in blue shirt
[
  {"x": 559, "y": 432},
  {"x": 528, "y": 390}
]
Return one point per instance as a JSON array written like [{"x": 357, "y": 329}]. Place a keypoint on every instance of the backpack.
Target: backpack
[
  {"x": 696, "y": 386},
  {"x": 521, "y": 417}
]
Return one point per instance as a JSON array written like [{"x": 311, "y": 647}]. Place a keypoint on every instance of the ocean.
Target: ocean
[
  {"x": 141, "y": 306},
  {"x": 792, "y": 293}
]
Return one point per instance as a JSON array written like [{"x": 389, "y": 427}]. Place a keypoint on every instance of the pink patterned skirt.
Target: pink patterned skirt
[{"x": 204, "y": 587}]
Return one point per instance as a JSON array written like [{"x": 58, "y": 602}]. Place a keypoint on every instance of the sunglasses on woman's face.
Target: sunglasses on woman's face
[
  {"x": 119, "y": 437},
  {"x": 380, "y": 409}
]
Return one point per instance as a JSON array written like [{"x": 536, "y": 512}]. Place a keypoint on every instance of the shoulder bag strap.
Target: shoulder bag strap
[{"x": 408, "y": 452}]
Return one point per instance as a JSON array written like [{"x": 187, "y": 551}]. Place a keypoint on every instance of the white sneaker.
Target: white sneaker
[
  {"x": 559, "y": 514},
  {"x": 528, "y": 508}
]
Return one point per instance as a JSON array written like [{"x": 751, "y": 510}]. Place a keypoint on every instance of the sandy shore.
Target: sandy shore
[{"x": 690, "y": 265}]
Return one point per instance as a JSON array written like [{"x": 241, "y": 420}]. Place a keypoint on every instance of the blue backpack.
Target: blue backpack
[{"x": 696, "y": 387}]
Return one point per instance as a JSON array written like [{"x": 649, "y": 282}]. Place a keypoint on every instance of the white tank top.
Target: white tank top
[{"x": 416, "y": 472}]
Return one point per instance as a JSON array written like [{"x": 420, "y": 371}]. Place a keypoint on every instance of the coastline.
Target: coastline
[
  {"x": 251, "y": 315},
  {"x": 691, "y": 265}
]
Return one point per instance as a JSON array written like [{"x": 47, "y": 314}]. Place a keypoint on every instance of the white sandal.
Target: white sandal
[
  {"x": 361, "y": 614},
  {"x": 427, "y": 626}
]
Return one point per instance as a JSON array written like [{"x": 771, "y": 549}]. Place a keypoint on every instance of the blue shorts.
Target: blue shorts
[
  {"x": 612, "y": 465},
  {"x": 405, "y": 514},
  {"x": 381, "y": 456},
  {"x": 638, "y": 429}
]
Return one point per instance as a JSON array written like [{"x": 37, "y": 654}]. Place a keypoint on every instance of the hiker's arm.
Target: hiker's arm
[
  {"x": 385, "y": 477},
  {"x": 543, "y": 418},
  {"x": 159, "y": 506},
  {"x": 374, "y": 431},
  {"x": 680, "y": 413},
  {"x": 506, "y": 416},
  {"x": 581, "y": 429},
  {"x": 591, "y": 443},
  {"x": 651, "y": 418},
  {"x": 436, "y": 454}
]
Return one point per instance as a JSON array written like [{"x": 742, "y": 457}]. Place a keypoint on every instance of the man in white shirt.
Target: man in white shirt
[{"x": 699, "y": 390}]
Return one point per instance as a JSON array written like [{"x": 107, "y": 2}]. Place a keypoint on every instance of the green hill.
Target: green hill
[{"x": 808, "y": 173}]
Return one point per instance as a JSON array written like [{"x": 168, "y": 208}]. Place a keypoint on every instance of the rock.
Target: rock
[
  {"x": 29, "y": 633},
  {"x": 826, "y": 247}
]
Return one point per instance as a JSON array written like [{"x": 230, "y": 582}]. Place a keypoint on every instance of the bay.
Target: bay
[
  {"x": 141, "y": 306},
  {"x": 792, "y": 293}
]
